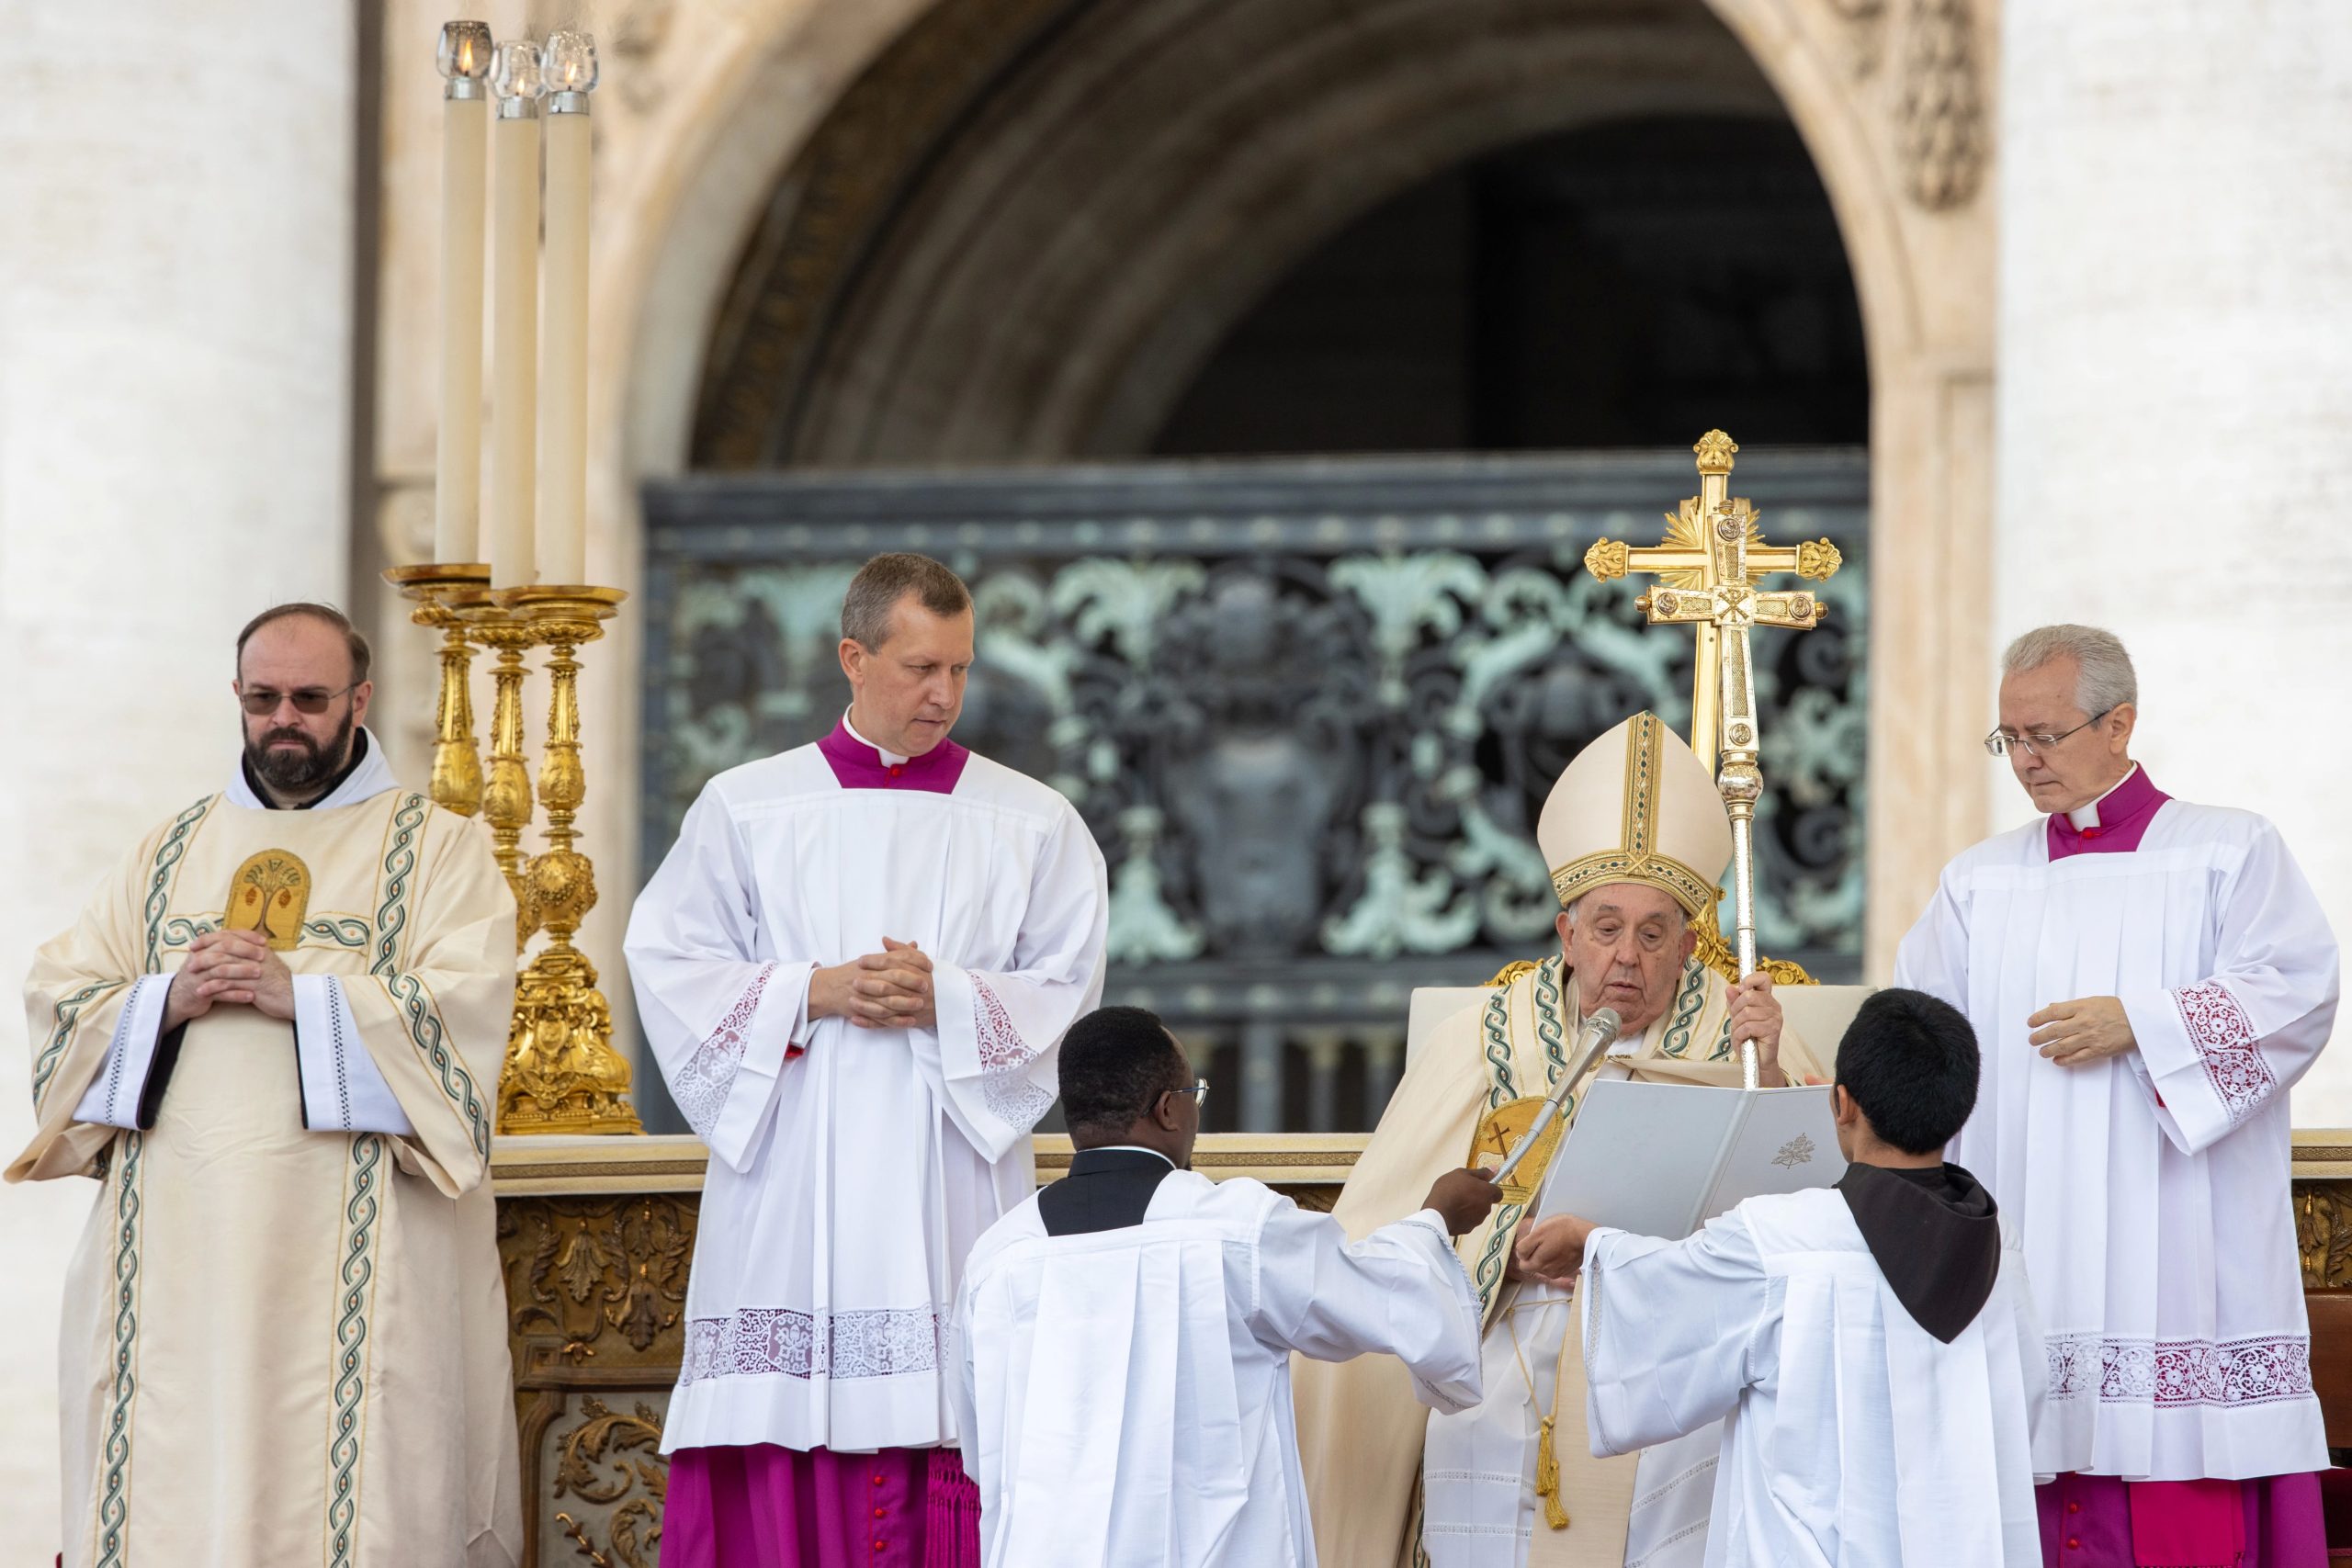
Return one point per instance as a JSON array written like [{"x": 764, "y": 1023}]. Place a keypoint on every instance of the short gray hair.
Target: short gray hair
[
  {"x": 2103, "y": 679},
  {"x": 874, "y": 593}
]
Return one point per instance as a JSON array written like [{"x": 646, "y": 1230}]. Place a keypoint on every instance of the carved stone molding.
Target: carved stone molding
[
  {"x": 607, "y": 1466},
  {"x": 1940, "y": 132}
]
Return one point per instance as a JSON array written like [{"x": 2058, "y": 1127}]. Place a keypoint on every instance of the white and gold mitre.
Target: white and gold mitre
[{"x": 1636, "y": 806}]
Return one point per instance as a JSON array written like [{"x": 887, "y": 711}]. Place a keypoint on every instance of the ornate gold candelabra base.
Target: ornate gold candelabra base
[{"x": 562, "y": 1074}]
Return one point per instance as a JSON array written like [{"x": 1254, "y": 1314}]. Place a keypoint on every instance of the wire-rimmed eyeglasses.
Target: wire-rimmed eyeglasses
[
  {"x": 313, "y": 700},
  {"x": 1199, "y": 1092},
  {"x": 2034, "y": 744}
]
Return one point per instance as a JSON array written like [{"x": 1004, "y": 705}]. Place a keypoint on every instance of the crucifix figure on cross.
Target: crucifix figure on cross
[{"x": 1708, "y": 567}]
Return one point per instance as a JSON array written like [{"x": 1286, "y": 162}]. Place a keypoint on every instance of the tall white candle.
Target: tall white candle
[
  {"x": 457, "y": 493},
  {"x": 570, "y": 74},
  {"x": 514, "y": 309}
]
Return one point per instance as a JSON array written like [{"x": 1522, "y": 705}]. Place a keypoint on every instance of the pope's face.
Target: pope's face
[
  {"x": 908, "y": 690},
  {"x": 1627, "y": 943},
  {"x": 2082, "y": 766}
]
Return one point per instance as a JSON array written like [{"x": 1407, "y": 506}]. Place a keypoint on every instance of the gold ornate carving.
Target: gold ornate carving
[
  {"x": 270, "y": 894},
  {"x": 614, "y": 1463},
  {"x": 1606, "y": 560},
  {"x": 1512, "y": 971},
  {"x": 580, "y": 1268},
  {"x": 1715, "y": 450},
  {"x": 2324, "y": 1234},
  {"x": 1818, "y": 559}
]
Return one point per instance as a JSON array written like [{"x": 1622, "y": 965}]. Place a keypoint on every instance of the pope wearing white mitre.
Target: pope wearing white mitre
[
  {"x": 854, "y": 968},
  {"x": 1636, "y": 835},
  {"x": 2148, "y": 979},
  {"x": 273, "y": 1038}
]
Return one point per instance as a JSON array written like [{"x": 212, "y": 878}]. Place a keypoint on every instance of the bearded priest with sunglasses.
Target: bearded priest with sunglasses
[
  {"x": 2148, "y": 979},
  {"x": 274, "y": 1039}
]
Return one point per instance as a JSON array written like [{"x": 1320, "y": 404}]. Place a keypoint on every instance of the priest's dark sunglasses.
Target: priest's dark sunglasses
[
  {"x": 260, "y": 700},
  {"x": 1999, "y": 743}
]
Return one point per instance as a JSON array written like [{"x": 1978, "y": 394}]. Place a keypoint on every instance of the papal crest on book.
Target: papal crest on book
[{"x": 1797, "y": 1151}]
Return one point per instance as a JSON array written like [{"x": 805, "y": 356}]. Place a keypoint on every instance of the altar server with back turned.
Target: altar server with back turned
[
  {"x": 1128, "y": 1331},
  {"x": 1873, "y": 1343}
]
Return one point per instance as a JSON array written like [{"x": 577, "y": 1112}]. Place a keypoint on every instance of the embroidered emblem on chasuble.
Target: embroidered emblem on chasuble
[{"x": 270, "y": 894}]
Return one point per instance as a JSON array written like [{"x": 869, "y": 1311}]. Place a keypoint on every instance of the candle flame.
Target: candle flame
[
  {"x": 571, "y": 62},
  {"x": 465, "y": 50},
  {"x": 518, "y": 72}
]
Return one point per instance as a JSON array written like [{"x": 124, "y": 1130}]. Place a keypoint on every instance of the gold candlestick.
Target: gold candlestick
[
  {"x": 507, "y": 796},
  {"x": 442, "y": 594},
  {"x": 562, "y": 1074}
]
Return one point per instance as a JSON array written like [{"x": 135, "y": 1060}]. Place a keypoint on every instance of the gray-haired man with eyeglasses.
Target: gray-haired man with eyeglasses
[{"x": 2147, "y": 979}]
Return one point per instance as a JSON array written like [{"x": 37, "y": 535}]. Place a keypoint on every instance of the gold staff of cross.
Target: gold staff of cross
[{"x": 1708, "y": 567}]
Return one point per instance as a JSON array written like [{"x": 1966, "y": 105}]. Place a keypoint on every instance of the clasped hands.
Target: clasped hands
[
  {"x": 236, "y": 967},
  {"x": 889, "y": 989}
]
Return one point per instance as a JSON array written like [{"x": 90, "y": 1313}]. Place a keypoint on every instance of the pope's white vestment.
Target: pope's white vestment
[
  {"x": 852, "y": 1168},
  {"x": 1854, "y": 1438},
  {"x": 2150, "y": 1190},
  {"x": 284, "y": 1339},
  {"x": 1128, "y": 1391}
]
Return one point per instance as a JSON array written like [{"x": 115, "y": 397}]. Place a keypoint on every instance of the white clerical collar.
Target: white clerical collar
[
  {"x": 372, "y": 777},
  {"x": 2084, "y": 816},
  {"x": 889, "y": 758}
]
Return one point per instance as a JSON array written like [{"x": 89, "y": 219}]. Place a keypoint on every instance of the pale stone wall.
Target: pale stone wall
[
  {"x": 2176, "y": 396},
  {"x": 174, "y": 376}
]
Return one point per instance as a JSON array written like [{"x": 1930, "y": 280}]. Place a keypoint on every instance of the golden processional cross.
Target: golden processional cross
[{"x": 1708, "y": 567}]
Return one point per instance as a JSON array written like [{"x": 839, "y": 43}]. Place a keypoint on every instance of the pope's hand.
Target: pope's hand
[
  {"x": 1463, "y": 1198},
  {"x": 2077, "y": 1034},
  {"x": 234, "y": 967},
  {"x": 1756, "y": 1015},
  {"x": 1551, "y": 1251}
]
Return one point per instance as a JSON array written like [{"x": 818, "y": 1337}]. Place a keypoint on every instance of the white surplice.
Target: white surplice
[
  {"x": 2150, "y": 1190},
  {"x": 1127, "y": 1393},
  {"x": 1852, "y": 1438},
  {"x": 852, "y": 1168}
]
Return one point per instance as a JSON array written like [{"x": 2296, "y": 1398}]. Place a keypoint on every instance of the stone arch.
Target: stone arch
[{"x": 1887, "y": 94}]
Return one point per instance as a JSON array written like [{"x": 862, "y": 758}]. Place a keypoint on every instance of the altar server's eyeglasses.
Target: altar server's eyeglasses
[
  {"x": 2034, "y": 744},
  {"x": 1199, "y": 1092},
  {"x": 260, "y": 700}
]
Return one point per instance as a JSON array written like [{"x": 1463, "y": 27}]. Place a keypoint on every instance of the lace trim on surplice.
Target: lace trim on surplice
[
  {"x": 2223, "y": 1035},
  {"x": 2173, "y": 1374},
  {"x": 1005, "y": 1057},
  {"x": 708, "y": 1076},
  {"x": 764, "y": 1341}
]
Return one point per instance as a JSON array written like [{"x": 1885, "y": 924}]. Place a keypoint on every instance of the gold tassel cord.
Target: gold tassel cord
[
  {"x": 1547, "y": 1457},
  {"x": 1547, "y": 1476}
]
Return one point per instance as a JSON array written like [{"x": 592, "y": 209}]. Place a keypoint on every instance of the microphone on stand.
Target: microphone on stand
[{"x": 1592, "y": 1042}]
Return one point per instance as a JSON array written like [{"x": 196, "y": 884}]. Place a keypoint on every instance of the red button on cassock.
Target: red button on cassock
[
  {"x": 2074, "y": 1507},
  {"x": 2073, "y": 1543},
  {"x": 880, "y": 1513},
  {"x": 877, "y": 1478}
]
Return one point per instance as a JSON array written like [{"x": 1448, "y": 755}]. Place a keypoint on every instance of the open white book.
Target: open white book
[{"x": 1662, "y": 1160}]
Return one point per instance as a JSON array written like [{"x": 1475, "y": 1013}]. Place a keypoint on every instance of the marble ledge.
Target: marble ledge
[{"x": 544, "y": 1165}]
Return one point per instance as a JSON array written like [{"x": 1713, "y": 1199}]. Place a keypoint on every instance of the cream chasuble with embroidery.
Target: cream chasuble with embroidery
[
  {"x": 1362, "y": 1433},
  {"x": 284, "y": 1335}
]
